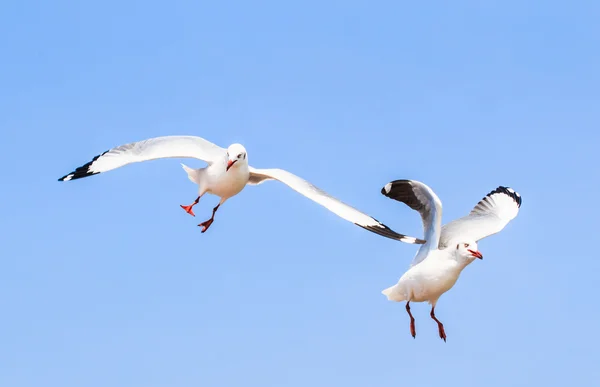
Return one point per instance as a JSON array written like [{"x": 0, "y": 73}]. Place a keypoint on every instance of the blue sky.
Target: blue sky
[{"x": 106, "y": 281}]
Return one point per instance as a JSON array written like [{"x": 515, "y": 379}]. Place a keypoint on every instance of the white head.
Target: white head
[
  {"x": 236, "y": 155},
  {"x": 466, "y": 251}
]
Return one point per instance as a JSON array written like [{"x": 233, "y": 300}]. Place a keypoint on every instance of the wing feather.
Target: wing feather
[
  {"x": 422, "y": 199},
  {"x": 488, "y": 217},
  {"x": 150, "y": 149},
  {"x": 334, "y": 205}
]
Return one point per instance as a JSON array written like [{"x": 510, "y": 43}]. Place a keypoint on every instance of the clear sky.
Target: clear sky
[{"x": 107, "y": 282}]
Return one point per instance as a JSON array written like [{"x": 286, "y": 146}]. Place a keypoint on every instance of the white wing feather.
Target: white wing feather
[
  {"x": 488, "y": 217},
  {"x": 151, "y": 149},
  {"x": 343, "y": 210}
]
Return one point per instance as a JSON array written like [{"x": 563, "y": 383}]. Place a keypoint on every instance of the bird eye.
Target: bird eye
[
  {"x": 466, "y": 245},
  {"x": 240, "y": 156}
]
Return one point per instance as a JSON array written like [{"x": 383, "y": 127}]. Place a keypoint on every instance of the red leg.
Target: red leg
[
  {"x": 413, "y": 331},
  {"x": 188, "y": 209},
  {"x": 205, "y": 225},
  {"x": 440, "y": 325}
]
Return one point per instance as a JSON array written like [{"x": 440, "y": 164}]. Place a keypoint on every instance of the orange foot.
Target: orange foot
[{"x": 188, "y": 209}]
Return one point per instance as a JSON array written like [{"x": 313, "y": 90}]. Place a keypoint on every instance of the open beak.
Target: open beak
[
  {"x": 230, "y": 164},
  {"x": 476, "y": 254}
]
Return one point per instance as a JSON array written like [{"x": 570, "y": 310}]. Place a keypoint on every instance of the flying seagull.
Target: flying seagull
[
  {"x": 225, "y": 176},
  {"x": 449, "y": 249}
]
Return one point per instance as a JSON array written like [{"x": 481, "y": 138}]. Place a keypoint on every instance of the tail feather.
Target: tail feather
[
  {"x": 192, "y": 173},
  {"x": 388, "y": 291},
  {"x": 391, "y": 294}
]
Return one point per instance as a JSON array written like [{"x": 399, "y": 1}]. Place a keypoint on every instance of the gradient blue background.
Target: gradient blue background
[{"x": 107, "y": 282}]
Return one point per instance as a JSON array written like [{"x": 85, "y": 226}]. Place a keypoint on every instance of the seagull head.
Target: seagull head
[
  {"x": 468, "y": 251},
  {"x": 236, "y": 155}
]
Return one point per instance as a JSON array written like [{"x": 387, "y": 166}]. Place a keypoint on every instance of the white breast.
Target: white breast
[
  {"x": 227, "y": 183},
  {"x": 431, "y": 278}
]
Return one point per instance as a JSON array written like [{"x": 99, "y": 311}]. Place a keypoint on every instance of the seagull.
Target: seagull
[
  {"x": 449, "y": 249},
  {"x": 225, "y": 176}
]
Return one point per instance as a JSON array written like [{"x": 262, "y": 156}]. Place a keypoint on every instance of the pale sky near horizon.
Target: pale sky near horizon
[{"x": 105, "y": 281}]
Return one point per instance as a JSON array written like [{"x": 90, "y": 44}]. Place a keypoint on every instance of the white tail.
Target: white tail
[
  {"x": 390, "y": 294},
  {"x": 192, "y": 173}
]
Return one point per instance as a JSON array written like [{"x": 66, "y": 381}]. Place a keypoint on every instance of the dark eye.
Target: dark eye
[
  {"x": 240, "y": 156},
  {"x": 466, "y": 245}
]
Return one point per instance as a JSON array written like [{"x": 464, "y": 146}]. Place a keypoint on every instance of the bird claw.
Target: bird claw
[
  {"x": 205, "y": 225},
  {"x": 442, "y": 333},
  {"x": 188, "y": 209}
]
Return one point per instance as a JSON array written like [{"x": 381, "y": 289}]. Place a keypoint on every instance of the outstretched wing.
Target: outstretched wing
[
  {"x": 422, "y": 199},
  {"x": 488, "y": 217},
  {"x": 334, "y": 205},
  {"x": 151, "y": 149}
]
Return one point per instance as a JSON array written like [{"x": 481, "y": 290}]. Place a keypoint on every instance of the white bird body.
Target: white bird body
[
  {"x": 226, "y": 175},
  {"x": 428, "y": 280},
  {"x": 214, "y": 180},
  {"x": 448, "y": 249}
]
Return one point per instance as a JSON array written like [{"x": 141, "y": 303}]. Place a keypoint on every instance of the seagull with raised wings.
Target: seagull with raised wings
[
  {"x": 448, "y": 249},
  {"x": 225, "y": 176}
]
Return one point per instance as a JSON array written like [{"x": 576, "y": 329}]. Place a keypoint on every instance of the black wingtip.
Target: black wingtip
[
  {"x": 508, "y": 191},
  {"x": 387, "y": 232},
  {"x": 83, "y": 171},
  {"x": 403, "y": 191},
  {"x": 78, "y": 174},
  {"x": 392, "y": 185}
]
